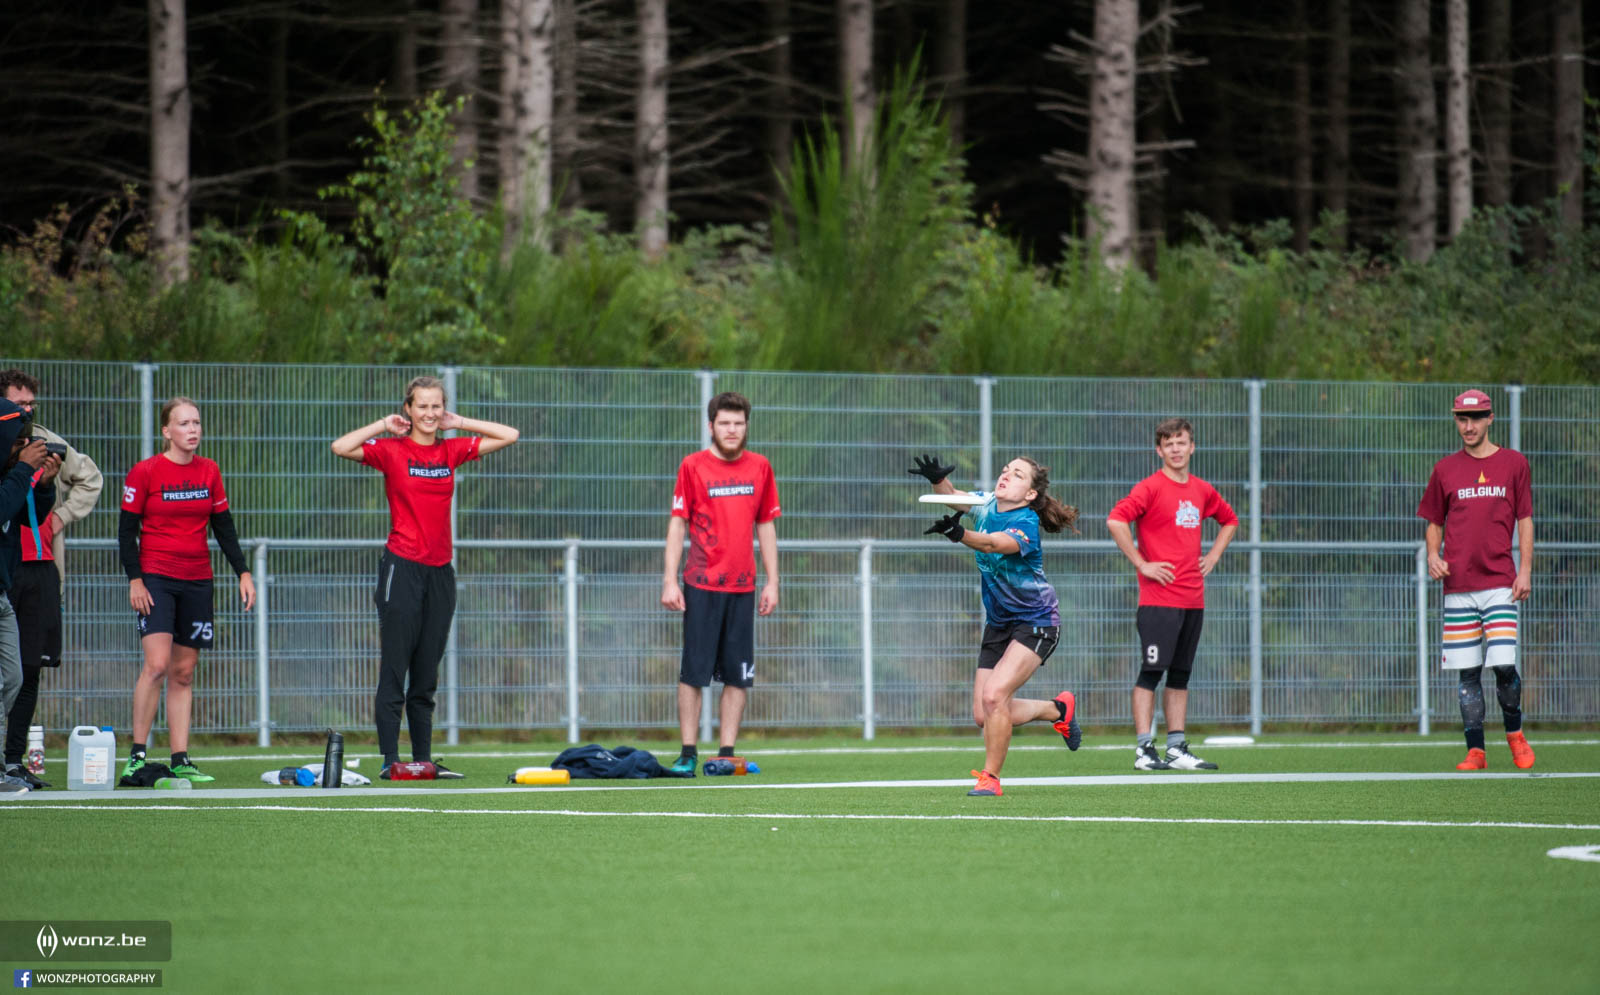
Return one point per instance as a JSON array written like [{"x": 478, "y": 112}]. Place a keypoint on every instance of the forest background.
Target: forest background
[{"x": 1406, "y": 190}]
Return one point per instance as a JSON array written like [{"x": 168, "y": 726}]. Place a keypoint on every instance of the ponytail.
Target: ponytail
[{"x": 1053, "y": 515}]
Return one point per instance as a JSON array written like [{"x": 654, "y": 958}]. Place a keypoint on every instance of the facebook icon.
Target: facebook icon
[{"x": 21, "y": 978}]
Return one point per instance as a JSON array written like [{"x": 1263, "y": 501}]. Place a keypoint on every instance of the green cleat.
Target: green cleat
[
  {"x": 683, "y": 765},
  {"x": 135, "y": 762},
  {"x": 190, "y": 772}
]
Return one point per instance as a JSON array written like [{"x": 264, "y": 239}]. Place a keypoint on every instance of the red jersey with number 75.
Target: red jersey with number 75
[
  {"x": 1168, "y": 515},
  {"x": 175, "y": 502},
  {"x": 723, "y": 500}
]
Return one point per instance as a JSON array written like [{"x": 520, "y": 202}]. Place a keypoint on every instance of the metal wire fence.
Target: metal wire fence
[{"x": 559, "y": 627}]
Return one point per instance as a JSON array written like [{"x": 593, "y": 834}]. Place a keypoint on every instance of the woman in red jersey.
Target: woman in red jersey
[
  {"x": 168, "y": 501},
  {"x": 416, "y": 592}
]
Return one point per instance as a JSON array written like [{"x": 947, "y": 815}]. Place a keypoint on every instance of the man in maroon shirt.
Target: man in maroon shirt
[
  {"x": 1475, "y": 499},
  {"x": 1168, "y": 507},
  {"x": 721, "y": 493}
]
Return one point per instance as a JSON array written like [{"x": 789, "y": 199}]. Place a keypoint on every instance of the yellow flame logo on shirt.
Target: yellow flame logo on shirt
[{"x": 1482, "y": 479}]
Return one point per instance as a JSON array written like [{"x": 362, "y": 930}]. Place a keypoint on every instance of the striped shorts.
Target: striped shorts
[{"x": 1480, "y": 629}]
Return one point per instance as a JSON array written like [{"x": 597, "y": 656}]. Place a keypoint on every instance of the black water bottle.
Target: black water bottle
[{"x": 333, "y": 761}]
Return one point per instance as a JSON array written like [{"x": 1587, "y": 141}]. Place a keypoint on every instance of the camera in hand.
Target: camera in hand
[{"x": 55, "y": 448}]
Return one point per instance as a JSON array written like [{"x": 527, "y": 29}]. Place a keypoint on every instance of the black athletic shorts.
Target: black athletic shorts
[
  {"x": 181, "y": 607},
  {"x": 1168, "y": 637},
  {"x": 36, "y": 596},
  {"x": 1041, "y": 639},
  {"x": 719, "y": 637}
]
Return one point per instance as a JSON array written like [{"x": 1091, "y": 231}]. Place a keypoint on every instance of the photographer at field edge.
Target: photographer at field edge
[
  {"x": 38, "y": 588},
  {"x": 26, "y": 492}
]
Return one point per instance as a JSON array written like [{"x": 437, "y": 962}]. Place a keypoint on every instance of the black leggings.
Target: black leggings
[
  {"x": 415, "y": 605},
  {"x": 1507, "y": 687}
]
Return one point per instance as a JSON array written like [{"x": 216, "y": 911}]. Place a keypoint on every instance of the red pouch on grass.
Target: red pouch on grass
[{"x": 413, "y": 770}]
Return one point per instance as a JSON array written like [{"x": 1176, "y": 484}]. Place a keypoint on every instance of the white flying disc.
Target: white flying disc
[{"x": 969, "y": 500}]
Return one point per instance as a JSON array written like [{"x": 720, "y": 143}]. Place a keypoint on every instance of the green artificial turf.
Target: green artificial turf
[{"x": 718, "y": 885}]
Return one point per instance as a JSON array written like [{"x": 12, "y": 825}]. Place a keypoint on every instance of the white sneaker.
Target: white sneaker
[
  {"x": 12, "y": 787},
  {"x": 1179, "y": 758},
  {"x": 1146, "y": 758}
]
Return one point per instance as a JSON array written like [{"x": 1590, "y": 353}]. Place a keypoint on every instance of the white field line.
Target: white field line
[
  {"x": 123, "y": 797},
  {"x": 846, "y": 817},
  {"x": 757, "y": 752}
]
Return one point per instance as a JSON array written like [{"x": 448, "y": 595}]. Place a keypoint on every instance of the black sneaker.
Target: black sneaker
[
  {"x": 26, "y": 776},
  {"x": 443, "y": 773},
  {"x": 12, "y": 787},
  {"x": 383, "y": 775}
]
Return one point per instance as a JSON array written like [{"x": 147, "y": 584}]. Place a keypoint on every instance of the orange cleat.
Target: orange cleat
[
  {"x": 988, "y": 784},
  {"x": 1521, "y": 752},
  {"x": 1068, "y": 724},
  {"x": 1476, "y": 760}
]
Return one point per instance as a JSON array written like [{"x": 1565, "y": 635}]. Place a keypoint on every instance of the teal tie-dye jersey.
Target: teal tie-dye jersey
[{"x": 1015, "y": 589}]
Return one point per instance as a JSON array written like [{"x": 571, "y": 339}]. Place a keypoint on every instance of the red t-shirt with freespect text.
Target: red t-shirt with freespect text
[
  {"x": 723, "y": 500},
  {"x": 1168, "y": 515},
  {"x": 419, "y": 481},
  {"x": 175, "y": 502},
  {"x": 1478, "y": 502}
]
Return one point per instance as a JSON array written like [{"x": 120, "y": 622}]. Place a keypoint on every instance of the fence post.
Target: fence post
[
  {"x": 1255, "y": 556},
  {"x": 263, "y": 654},
  {"x": 452, "y": 658},
  {"x": 147, "y": 409},
  {"x": 868, "y": 725},
  {"x": 1514, "y": 394},
  {"x": 985, "y": 432},
  {"x": 708, "y": 379},
  {"x": 1423, "y": 727},
  {"x": 571, "y": 584}
]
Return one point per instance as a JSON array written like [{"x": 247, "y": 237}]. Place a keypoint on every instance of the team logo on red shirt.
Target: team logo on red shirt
[
  {"x": 1188, "y": 516},
  {"x": 1484, "y": 489},
  {"x": 422, "y": 468},
  {"x": 730, "y": 488},
  {"x": 186, "y": 491}
]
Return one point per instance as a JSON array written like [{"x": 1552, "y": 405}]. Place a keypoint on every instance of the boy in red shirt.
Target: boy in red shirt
[
  {"x": 1475, "y": 499},
  {"x": 1168, "y": 506},
  {"x": 721, "y": 493}
]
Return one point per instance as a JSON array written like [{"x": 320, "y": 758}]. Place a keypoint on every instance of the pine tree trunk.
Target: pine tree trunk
[
  {"x": 566, "y": 124},
  {"x": 459, "y": 46},
  {"x": 650, "y": 130},
  {"x": 1417, "y": 195},
  {"x": 1568, "y": 52},
  {"x": 169, "y": 141},
  {"x": 509, "y": 169},
  {"x": 1112, "y": 217},
  {"x": 1304, "y": 195},
  {"x": 855, "y": 76},
  {"x": 780, "y": 115},
  {"x": 952, "y": 68},
  {"x": 278, "y": 100},
  {"x": 1457, "y": 133},
  {"x": 404, "y": 85},
  {"x": 1336, "y": 166},
  {"x": 527, "y": 96},
  {"x": 1494, "y": 99}
]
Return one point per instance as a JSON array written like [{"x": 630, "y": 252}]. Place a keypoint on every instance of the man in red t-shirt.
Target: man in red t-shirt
[
  {"x": 1475, "y": 499},
  {"x": 721, "y": 493},
  {"x": 1168, "y": 506}
]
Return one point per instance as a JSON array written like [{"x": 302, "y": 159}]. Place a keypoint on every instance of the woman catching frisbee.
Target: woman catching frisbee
[{"x": 1022, "y": 620}]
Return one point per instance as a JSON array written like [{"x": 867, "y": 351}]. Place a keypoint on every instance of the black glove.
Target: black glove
[
  {"x": 928, "y": 466},
  {"x": 949, "y": 526}
]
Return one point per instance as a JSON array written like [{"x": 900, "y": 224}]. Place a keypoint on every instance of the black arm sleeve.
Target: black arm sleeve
[
  {"x": 228, "y": 539},
  {"x": 128, "y": 543}
]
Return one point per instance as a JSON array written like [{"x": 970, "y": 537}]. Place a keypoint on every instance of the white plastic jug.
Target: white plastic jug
[{"x": 91, "y": 759}]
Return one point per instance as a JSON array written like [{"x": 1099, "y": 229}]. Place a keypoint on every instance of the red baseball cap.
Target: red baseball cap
[{"x": 1472, "y": 401}]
